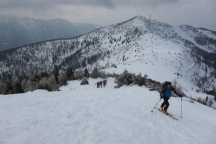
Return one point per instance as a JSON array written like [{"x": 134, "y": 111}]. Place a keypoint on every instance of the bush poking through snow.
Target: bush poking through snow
[
  {"x": 17, "y": 87},
  {"x": 63, "y": 78},
  {"x": 84, "y": 82},
  {"x": 127, "y": 79},
  {"x": 210, "y": 102},
  {"x": 49, "y": 84},
  {"x": 124, "y": 78}
]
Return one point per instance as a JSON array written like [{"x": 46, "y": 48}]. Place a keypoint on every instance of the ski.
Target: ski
[{"x": 169, "y": 115}]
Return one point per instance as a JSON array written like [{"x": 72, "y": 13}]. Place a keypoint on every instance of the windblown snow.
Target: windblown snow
[{"x": 86, "y": 114}]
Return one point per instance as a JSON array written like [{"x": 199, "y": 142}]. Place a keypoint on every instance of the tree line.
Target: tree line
[{"x": 50, "y": 81}]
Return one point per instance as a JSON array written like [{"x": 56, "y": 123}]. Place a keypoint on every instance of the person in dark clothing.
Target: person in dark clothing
[
  {"x": 101, "y": 84},
  {"x": 104, "y": 82},
  {"x": 166, "y": 94},
  {"x": 98, "y": 84}
]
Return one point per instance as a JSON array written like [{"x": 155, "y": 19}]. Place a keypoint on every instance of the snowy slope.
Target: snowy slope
[{"x": 86, "y": 114}]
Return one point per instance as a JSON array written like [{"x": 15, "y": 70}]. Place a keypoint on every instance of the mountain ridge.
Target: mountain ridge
[
  {"x": 147, "y": 44},
  {"x": 20, "y": 31}
]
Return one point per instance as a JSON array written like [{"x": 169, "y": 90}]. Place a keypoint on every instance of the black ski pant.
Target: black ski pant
[{"x": 165, "y": 103}]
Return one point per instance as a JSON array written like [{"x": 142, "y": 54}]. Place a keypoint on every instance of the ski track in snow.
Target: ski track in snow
[{"x": 86, "y": 114}]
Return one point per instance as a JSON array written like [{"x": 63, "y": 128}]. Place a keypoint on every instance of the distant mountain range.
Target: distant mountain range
[
  {"x": 19, "y": 31},
  {"x": 159, "y": 50}
]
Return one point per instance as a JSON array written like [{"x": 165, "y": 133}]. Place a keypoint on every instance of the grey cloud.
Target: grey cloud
[
  {"x": 143, "y": 3},
  {"x": 47, "y": 6},
  {"x": 35, "y": 4},
  {"x": 161, "y": 2},
  {"x": 200, "y": 13},
  {"x": 38, "y": 4}
]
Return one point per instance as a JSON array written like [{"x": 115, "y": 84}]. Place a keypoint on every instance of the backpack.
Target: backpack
[{"x": 165, "y": 84}]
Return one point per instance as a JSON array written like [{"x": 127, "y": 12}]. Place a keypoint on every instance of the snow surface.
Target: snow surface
[{"x": 86, "y": 114}]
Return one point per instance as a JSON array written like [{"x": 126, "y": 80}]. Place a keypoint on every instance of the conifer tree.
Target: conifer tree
[
  {"x": 56, "y": 73},
  {"x": 95, "y": 73},
  {"x": 9, "y": 88},
  {"x": 70, "y": 73},
  {"x": 17, "y": 87},
  {"x": 86, "y": 73}
]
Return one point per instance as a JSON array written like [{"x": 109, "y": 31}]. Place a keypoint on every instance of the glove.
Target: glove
[{"x": 180, "y": 96}]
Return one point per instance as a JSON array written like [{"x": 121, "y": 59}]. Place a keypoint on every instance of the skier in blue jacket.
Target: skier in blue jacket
[{"x": 166, "y": 94}]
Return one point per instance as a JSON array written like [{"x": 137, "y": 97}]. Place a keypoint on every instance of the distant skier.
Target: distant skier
[
  {"x": 98, "y": 84},
  {"x": 101, "y": 84},
  {"x": 166, "y": 94},
  {"x": 104, "y": 82}
]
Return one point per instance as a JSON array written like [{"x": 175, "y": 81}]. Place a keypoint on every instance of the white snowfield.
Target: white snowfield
[{"x": 89, "y": 115}]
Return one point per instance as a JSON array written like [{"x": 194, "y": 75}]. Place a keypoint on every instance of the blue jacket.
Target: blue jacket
[{"x": 167, "y": 92}]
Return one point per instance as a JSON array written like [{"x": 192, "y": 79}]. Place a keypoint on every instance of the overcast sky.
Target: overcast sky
[{"x": 197, "y": 13}]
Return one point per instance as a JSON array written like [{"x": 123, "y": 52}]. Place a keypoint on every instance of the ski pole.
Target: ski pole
[
  {"x": 181, "y": 107},
  {"x": 156, "y": 105}
]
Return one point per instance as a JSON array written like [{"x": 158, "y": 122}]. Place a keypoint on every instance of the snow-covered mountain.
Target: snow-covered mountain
[
  {"x": 140, "y": 45},
  {"x": 19, "y": 31},
  {"x": 88, "y": 115}
]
